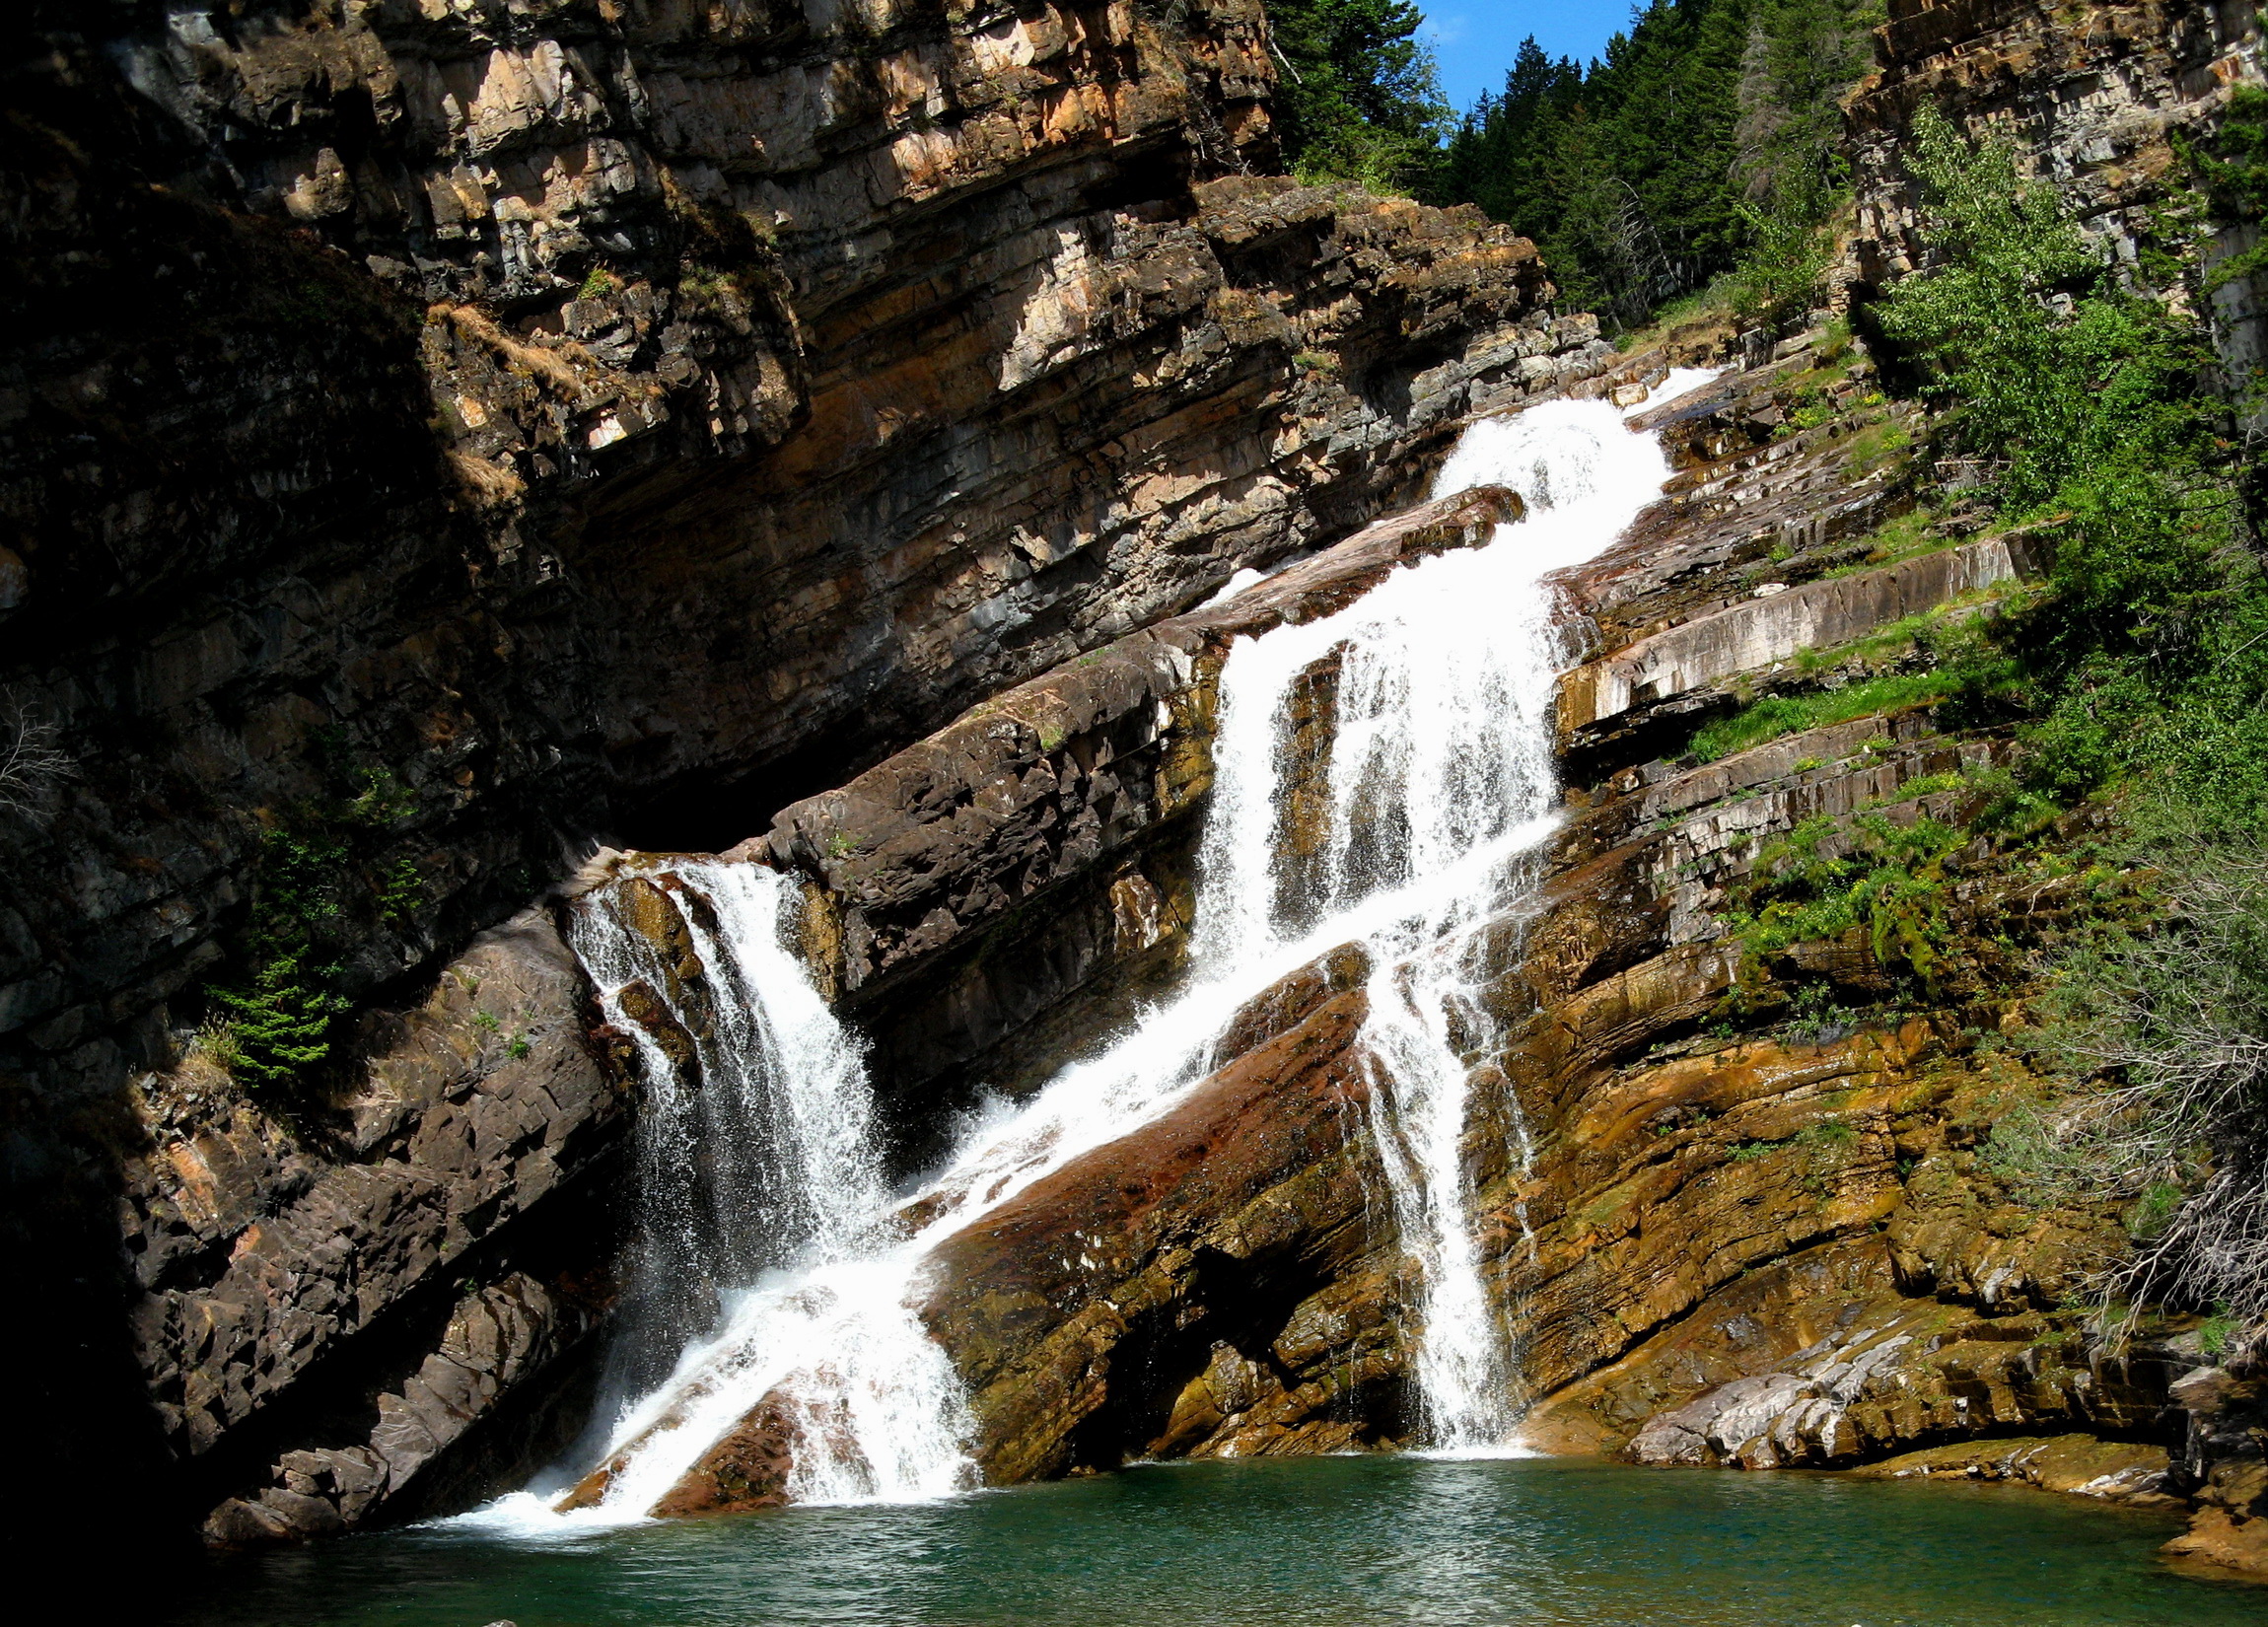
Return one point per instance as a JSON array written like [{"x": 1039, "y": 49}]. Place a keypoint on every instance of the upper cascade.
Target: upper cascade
[{"x": 1437, "y": 776}]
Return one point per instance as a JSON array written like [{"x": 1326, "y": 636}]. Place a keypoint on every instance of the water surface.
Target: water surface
[{"x": 1314, "y": 1542}]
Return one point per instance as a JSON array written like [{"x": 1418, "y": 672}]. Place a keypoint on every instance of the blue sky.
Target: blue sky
[{"x": 1475, "y": 39}]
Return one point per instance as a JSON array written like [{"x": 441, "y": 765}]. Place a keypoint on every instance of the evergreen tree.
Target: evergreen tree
[
  {"x": 1357, "y": 96},
  {"x": 1704, "y": 136}
]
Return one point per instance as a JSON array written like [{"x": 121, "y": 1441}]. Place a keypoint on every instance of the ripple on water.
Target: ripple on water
[{"x": 1313, "y": 1542}]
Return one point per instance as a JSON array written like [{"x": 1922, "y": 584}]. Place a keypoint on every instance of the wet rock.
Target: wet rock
[
  {"x": 747, "y": 1469},
  {"x": 1041, "y": 849},
  {"x": 2224, "y": 1462},
  {"x": 2116, "y": 1471},
  {"x": 1079, "y": 1312},
  {"x": 1748, "y": 636}
]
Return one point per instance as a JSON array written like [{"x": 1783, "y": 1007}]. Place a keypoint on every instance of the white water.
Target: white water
[{"x": 1439, "y": 783}]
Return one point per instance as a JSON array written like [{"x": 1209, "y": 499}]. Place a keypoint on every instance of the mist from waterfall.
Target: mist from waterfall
[{"x": 773, "y": 1263}]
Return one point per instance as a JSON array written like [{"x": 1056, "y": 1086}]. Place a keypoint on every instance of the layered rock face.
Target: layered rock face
[
  {"x": 630, "y": 420},
  {"x": 595, "y": 421},
  {"x": 985, "y": 900},
  {"x": 2094, "y": 101}
]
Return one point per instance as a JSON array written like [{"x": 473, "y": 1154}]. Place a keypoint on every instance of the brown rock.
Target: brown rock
[{"x": 747, "y": 1469}]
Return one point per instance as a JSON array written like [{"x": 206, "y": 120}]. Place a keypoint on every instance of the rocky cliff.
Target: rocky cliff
[
  {"x": 817, "y": 428},
  {"x": 2096, "y": 101},
  {"x": 562, "y": 423}
]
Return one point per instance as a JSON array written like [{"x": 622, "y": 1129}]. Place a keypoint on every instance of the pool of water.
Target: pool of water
[{"x": 1314, "y": 1542}]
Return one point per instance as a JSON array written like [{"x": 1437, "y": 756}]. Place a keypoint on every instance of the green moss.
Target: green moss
[
  {"x": 1826, "y": 878},
  {"x": 2218, "y": 1332},
  {"x": 1875, "y": 446},
  {"x": 1827, "y": 1135}
]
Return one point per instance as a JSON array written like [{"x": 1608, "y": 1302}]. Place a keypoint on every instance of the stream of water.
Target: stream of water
[{"x": 770, "y": 1266}]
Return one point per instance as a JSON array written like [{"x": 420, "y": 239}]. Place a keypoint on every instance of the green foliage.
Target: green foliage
[
  {"x": 1817, "y": 1017},
  {"x": 2086, "y": 396},
  {"x": 1828, "y": 1135},
  {"x": 519, "y": 1047},
  {"x": 2233, "y": 173},
  {"x": 1777, "y": 715},
  {"x": 2152, "y": 1212},
  {"x": 2217, "y": 1334},
  {"x": 1790, "y": 249},
  {"x": 313, "y": 890},
  {"x": 1704, "y": 140},
  {"x": 2162, "y": 1034},
  {"x": 2148, "y": 660},
  {"x": 1356, "y": 99},
  {"x": 217, "y": 1040},
  {"x": 1825, "y": 879},
  {"x": 280, "y": 1022}
]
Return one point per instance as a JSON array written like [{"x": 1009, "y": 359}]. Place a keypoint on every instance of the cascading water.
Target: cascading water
[
  {"x": 758, "y": 1152},
  {"x": 1439, "y": 783}
]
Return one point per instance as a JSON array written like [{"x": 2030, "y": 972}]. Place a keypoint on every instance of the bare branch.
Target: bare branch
[{"x": 33, "y": 762}]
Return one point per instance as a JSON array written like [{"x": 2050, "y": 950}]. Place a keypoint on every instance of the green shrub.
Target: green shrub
[
  {"x": 312, "y": 893},
  {"x": 1784, "y": 274},
  {"x": 1825, "y": 879}
]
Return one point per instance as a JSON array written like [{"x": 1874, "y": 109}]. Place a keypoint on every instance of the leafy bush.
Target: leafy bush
[
  {"x": 2167, "y": 1031},
  {"x": 2089, "y": 398},
  {"x": 1825, "y": 879},
  {"x": 1789, "y": 249}
]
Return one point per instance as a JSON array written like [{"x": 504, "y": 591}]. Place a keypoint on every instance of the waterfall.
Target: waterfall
[
  {"x": 773, "y": 1263},
  {"x": 759, "y": 1149},
  {"x": 1441, "y": 782}
]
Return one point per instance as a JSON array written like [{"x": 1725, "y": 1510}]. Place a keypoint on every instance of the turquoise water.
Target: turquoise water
[{"x": 1316, "y": 1543}]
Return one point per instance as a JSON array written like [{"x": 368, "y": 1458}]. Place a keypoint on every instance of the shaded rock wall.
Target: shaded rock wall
[{"x": 339, "y": 1310}]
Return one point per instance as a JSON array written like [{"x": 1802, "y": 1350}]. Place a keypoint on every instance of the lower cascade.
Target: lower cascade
[{"x": 775, "y": 1264}]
